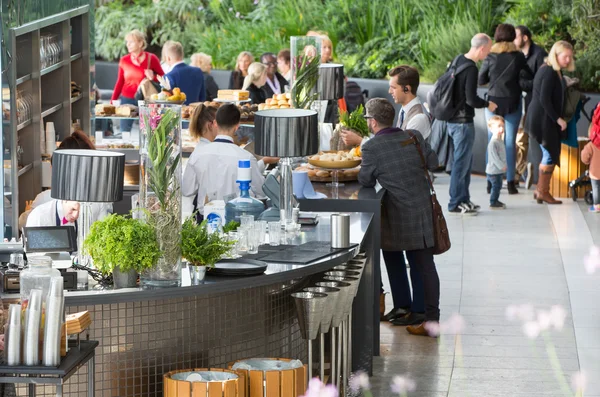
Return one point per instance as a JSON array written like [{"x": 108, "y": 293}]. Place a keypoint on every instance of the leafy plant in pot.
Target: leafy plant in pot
[
  {"x": 201, "y": 248},
  {"x": 122, "y": 246}
]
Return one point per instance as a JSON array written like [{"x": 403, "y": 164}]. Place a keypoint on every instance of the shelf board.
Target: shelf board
[
  {"x": 23, "y": 170},
  {"x": 52, "y": 68},
  {"x": 23, "y": 79},
  {"x": 76, "y": 98},
  {"x": 115, "y": 118},
  {"x": 50, "y": 110},
  {"x": 23, "y": 125},
  {"x": 75, "y": 57}
]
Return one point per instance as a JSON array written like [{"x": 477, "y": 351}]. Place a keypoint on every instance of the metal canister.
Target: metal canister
[{"x": 340, "y": 231}]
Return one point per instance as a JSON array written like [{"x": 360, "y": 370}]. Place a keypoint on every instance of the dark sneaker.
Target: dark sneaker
[
  {"x": 498, "y": 205},
  {"x": 409, "y": 319},
  {"x": 473, "y": 206},
  {"x": 463, "y": 209}
]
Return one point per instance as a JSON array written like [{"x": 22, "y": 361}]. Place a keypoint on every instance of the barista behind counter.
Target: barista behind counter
[{"x": 211, "y": 172}]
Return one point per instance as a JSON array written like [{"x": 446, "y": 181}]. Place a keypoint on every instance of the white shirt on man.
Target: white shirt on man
[
  {"x": 419, "y": 122},
  {"x": 211, "y": 172}
]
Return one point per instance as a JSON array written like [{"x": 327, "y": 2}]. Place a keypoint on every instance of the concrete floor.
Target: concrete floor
[{"x": 526, "y": 254}]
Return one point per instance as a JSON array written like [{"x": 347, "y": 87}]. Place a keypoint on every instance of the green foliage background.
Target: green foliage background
[{"x": 369, "y": 36}]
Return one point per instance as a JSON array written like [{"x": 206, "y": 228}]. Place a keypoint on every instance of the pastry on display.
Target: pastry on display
[
  {"x": 278, "y": 101},
  {"x": 340, "y": 155},
  {"x": 233, "y": 95},
  {"x": 126, "y": 111},
  {"x": 105, "y": 109},
  {"x": 176, "y": 96}
]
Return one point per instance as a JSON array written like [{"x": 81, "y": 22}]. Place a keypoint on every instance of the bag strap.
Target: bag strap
[
  {"x": 148, "y": 55},
  {"x": 413, "y": 139},
  {"x": 501, "y": 74}
]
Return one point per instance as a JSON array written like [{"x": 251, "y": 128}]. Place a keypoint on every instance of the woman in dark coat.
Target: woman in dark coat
[
  {"x": 544, "y": 121},
  {"x": 254, "y": 81},
  {"x": 506, "y": 71},
  {"x": 236, "y": 80}
]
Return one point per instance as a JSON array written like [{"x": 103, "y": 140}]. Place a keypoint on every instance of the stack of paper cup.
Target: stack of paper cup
[
  {"x": 42, "y": 139},
  {"x": 13, "y": 335},
  {"x": 50, "y": 138},
  {"x": 54, "y": 320}
]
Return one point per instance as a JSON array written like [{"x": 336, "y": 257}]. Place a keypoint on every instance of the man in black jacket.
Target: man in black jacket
[
  {"x": 275, "y": 81},
  {"x": 535, "y": 56},
  {"x": 461, "y": 127}
]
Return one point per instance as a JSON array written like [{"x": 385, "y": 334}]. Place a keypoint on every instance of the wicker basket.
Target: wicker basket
[
  {"x": 183, "y": 388},
  {"x": 284, "y": 383}
]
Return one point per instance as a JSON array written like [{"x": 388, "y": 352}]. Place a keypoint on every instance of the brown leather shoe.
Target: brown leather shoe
[
  {"x": 382, "y": 307},
  {"x": 419, "y": 330}
]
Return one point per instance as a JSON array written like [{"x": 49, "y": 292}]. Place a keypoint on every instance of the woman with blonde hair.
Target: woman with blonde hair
[
  {"x": 236, "y": 81},
  {"x": 544, "y": 121},
  {"x": 133, "y": 68},
  {"x": 254, "y": 81},
  {"x": 326, "y": 45},
  {"x": 204, "y": 62}
]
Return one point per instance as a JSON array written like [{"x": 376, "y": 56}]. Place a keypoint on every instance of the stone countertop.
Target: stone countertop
[{"x": 275, "y": 273}]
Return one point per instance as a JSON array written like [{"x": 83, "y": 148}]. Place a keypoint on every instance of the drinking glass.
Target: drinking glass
[
  {"x": 247, "y": 220},
  {"x": 253, "y": 240},
  {"x": 274, "y": 233},
  {"x": 242, "y": 247},
  {"x": 55, "y": 48},
  {"x": 233, "y": 236},
  {"x": 43, "y": 63},
  {"x": 260, "y": 228}
]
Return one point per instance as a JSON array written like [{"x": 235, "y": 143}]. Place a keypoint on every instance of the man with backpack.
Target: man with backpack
[{"x": 454, "y": 99}]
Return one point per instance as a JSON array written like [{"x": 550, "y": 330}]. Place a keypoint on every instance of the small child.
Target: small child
[
  {"x": 496, "y": 165},
  {"x": 591, "y": 155}
]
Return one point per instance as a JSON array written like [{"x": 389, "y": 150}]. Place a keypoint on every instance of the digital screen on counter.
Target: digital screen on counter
[{"x": 50, "y": 239}]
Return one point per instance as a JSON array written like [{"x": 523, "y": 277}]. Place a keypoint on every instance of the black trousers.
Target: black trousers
[{"x": 422, "y": 260}]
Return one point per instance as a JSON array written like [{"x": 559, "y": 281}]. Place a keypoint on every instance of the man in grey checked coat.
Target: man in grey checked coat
[{"x": 391, "y": 158}]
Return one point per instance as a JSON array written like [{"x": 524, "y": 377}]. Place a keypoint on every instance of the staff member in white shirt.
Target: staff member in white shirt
[
  {"x": 404, "y": 82},
  {"x": 215, "y": 165},
  {"x": 55, "y": 213},
  {"x": 203, "y": 128}
]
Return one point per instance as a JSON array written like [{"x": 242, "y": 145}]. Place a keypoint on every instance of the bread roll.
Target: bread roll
[
  {"x": 323, "y": 174},
  {"x": 312, "y": 173},
  {"x": 284, "y": 107},
  {"x": 262, "y": 106},
  {"x": 288, "y": 95},
  {"x": 282, "y": 102},
  {"x": 281, "y": 97}
]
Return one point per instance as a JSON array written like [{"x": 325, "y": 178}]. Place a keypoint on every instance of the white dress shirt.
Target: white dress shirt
[
  {"x": 211, "y": 172},
  {"x": 44, "y": 208},
  {"x": 419, "y": 122}
]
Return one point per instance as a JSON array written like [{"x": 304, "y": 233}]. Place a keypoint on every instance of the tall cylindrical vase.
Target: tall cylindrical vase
[
  {"x": 160, "y": 188},
  {"x": 305, "y": 60}
]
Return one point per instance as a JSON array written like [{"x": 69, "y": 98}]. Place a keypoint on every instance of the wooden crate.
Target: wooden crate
[
  {"x": 285, "y": 383},
  {"x": 570, "y": 168},
  {"x": 181, "y": 388}
]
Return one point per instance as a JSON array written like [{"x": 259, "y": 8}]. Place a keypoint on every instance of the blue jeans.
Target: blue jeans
[
  {"x": 546, "y": 157},
  {"x": 496, "y": 181},
  {"x": 463, "y": 137},
  {"x": 126, "y": 124},
  {"x": 511, "y": 128},
  {"x": 396, "y": 268}
]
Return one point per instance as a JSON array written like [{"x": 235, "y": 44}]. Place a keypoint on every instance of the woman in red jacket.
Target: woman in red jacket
[{"x": 133, "y": 68}]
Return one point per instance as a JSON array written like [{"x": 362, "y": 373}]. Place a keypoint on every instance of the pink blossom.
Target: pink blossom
[
  {"x": 592, "y": 260},
  {"x": 359, "y": 381},
  {"x": 155, "y": 121},
  {"x": 578, "y": 381},
  {"x": 316, "y": 388},
  {"x": 433, "y": 328},
  {"x": 532, "y": 329},
  {"x": 454, "y": 325},
  {"x": 557, "y": 317},
  {"x": 402, "y": 385},
  {"x": 544, "y": 320}
]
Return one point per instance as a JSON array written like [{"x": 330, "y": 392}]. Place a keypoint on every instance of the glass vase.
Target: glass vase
[
  {"x": 305, "y": 60},
  {"x": 160, "y": 188}
]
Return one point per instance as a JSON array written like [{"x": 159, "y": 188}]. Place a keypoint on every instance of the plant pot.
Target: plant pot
[
  {"x": 197, "y": 274},
  {"x": 124, "y": 279}
]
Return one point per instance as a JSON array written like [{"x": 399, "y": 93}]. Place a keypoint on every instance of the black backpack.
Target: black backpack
[
  {"x": 441, "y": 97},
  {"x": 354, "y": 96}
]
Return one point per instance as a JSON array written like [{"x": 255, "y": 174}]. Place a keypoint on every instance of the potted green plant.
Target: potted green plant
[
  {"x": 122, "y": 246},
  {"x": 202, "y": 249}
]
